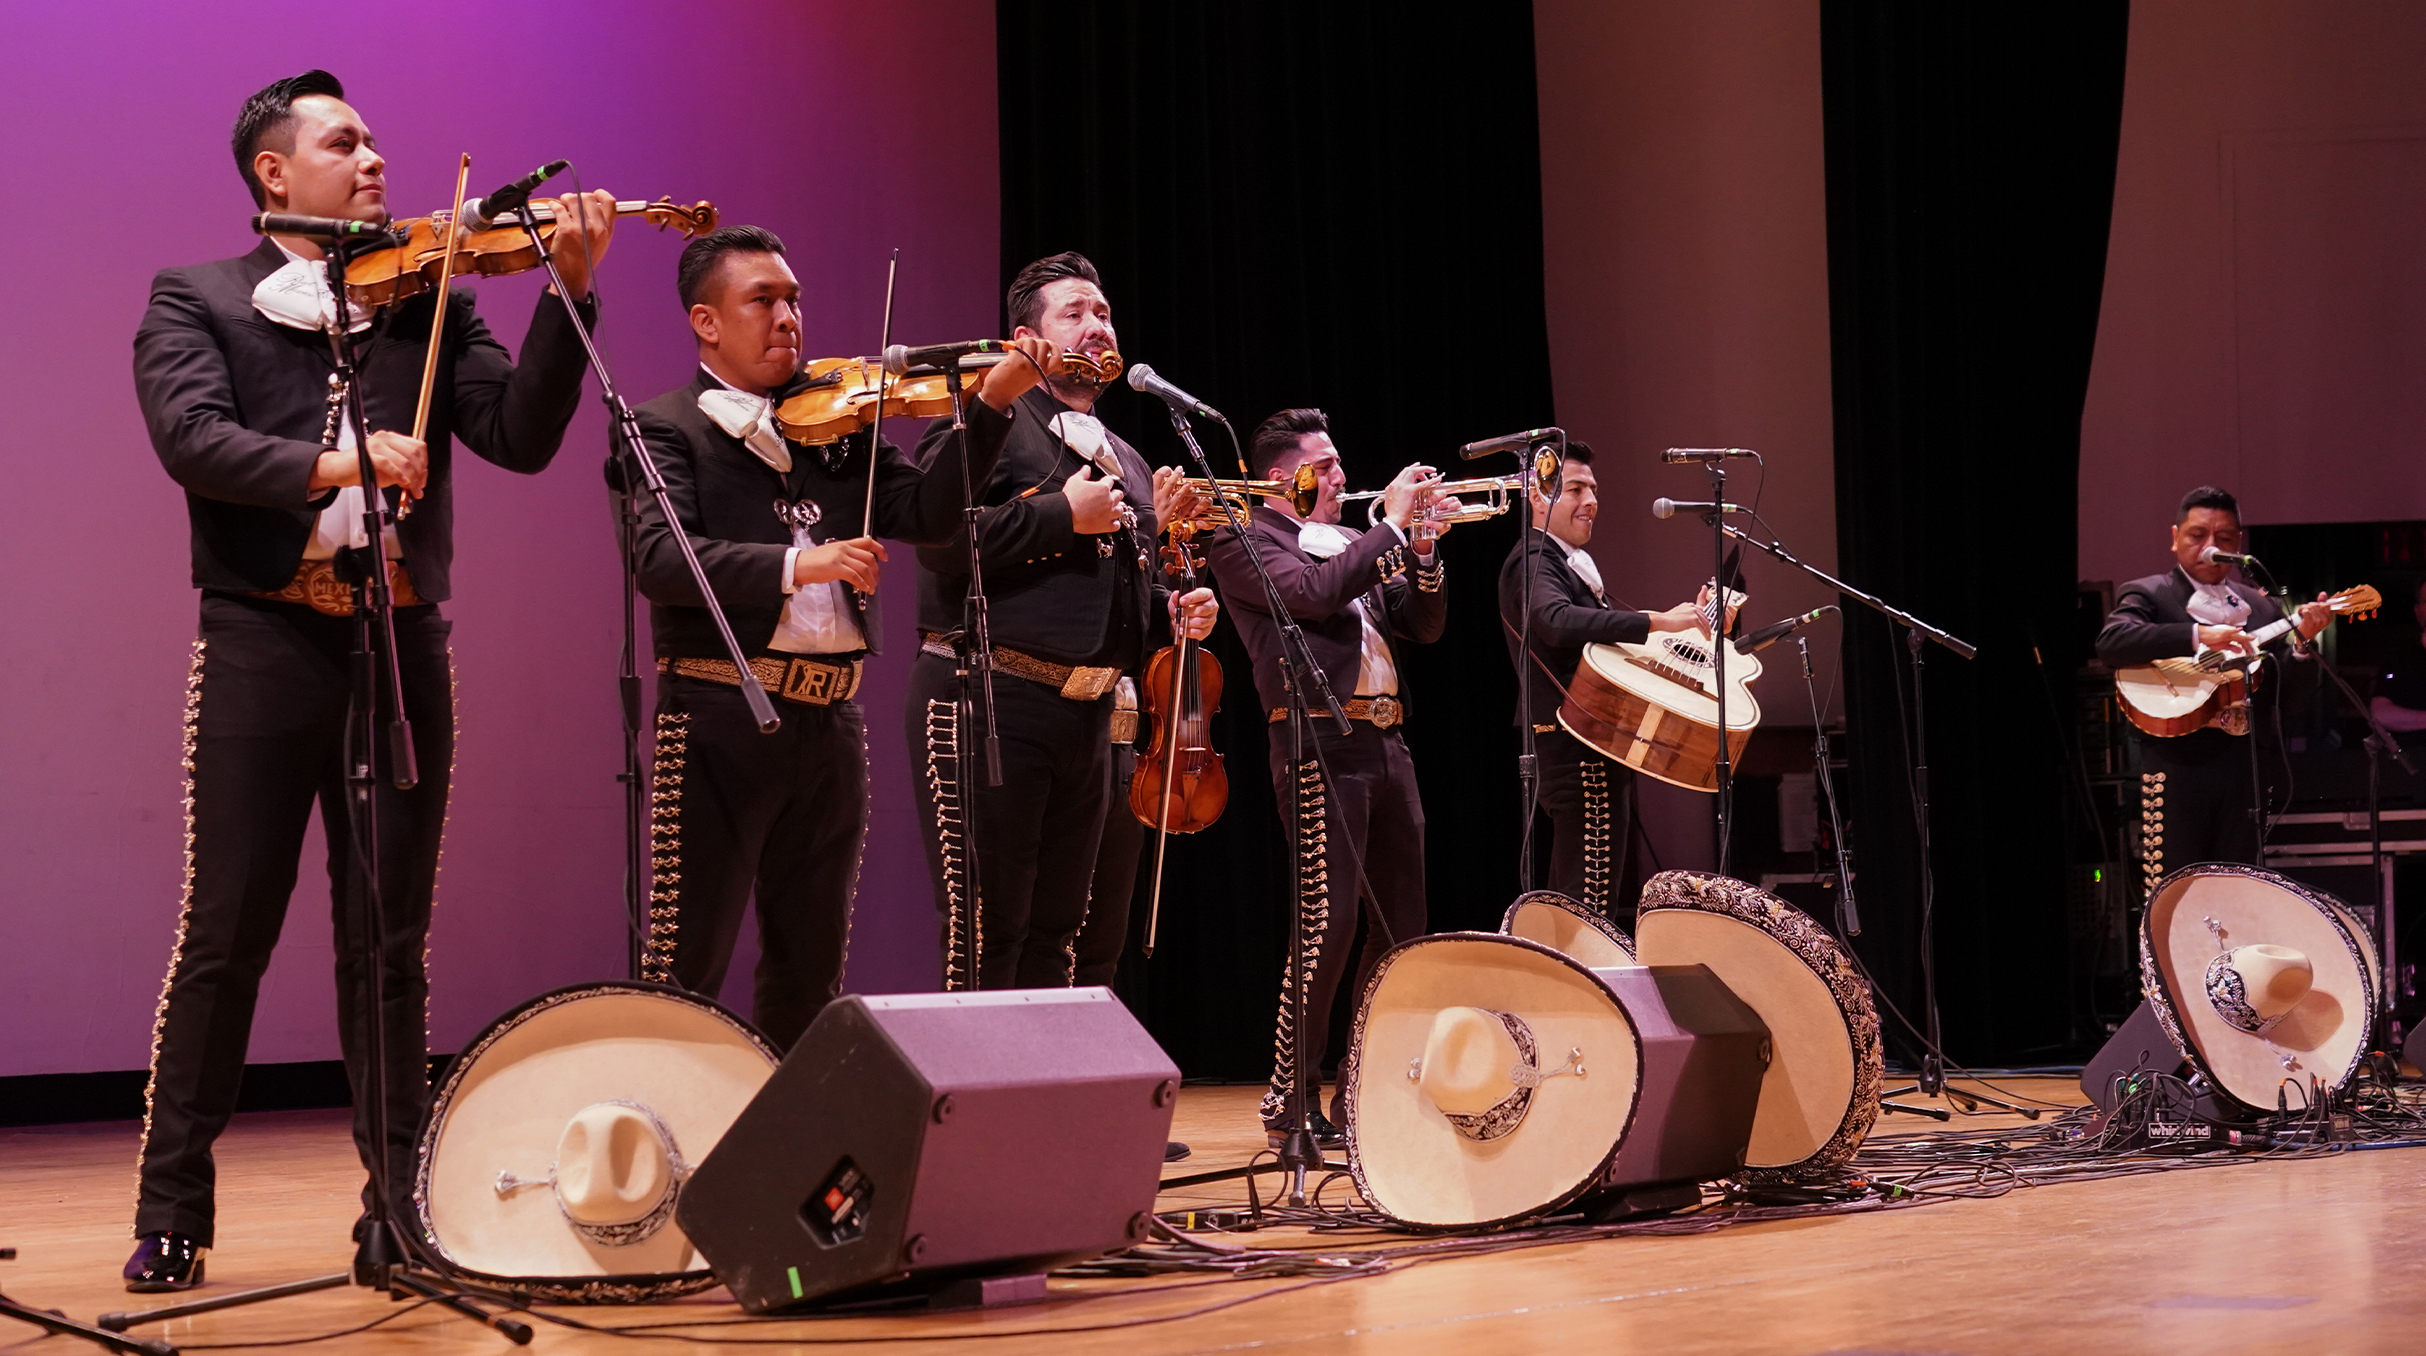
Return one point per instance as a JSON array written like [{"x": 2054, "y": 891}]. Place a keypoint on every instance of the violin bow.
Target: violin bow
[
  {"x": 446, "y": 280},
  {"x": 867, "y": 514},
  {"x": 1185, "y": 654}
]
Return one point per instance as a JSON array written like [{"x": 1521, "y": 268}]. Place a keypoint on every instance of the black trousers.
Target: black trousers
[
  {"x": 2195, "y": 802},
  {"x": 266, "y": 732},
  {"x": 736, "y": 811},
  {"x": 1371, "y": 814},
  {"x": 1105, "y": 935},
  {"x": 1035, "y": 835},
  {"x": 1590, "y": 804}
]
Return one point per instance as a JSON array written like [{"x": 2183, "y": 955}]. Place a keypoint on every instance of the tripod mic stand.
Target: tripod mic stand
[{"x": 60, "y": 1325}]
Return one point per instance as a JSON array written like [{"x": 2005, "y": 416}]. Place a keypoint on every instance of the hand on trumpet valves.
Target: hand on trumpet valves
[
  {"x": 1410, "y": 492},
  {"x": 1095, "y": 504},
  {"x": 1031, "y": 357},
  {"x": 1193, "y": 613},
  {"x": 854, "y": 562},
  {"x": 1177, "y": 499}
]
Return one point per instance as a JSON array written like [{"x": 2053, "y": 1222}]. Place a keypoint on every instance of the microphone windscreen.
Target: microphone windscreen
[
  {"x": 1663, "y": 507},
  {"x": 896, "y": 359},
  {"x": 1139, "y": 375}
]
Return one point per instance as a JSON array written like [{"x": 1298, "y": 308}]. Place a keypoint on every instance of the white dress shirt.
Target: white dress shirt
[
  {"x": 297, "y": 296},
  {"x": 817, "y": 617},
  {"x": 1376, "y": 676}
]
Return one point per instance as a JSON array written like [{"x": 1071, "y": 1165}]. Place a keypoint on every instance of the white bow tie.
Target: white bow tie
[
  {"x": 751, "y": 419},
  {"x": 1585, "y": 569},
  {"x": 1085, "y": 435},
  {"x": 297, "y": 296},
  {"x": 1322, "y": 540}
]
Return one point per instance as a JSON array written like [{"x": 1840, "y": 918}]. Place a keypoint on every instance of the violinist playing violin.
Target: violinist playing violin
[
  {"x": 233, "y": 369},
  {"x": 1356, "y": 595},
  {"x": 782, "y": 531},
  {"x": 1077, "y": 599}
]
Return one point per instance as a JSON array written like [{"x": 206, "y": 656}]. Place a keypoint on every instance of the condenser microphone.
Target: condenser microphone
[
  {"x": 1512, "y": 442},
  {"x": 1706, "y": 453},
  {"x": 1143, "y": 377},
  {"x": 315, "y": 228},
  {"x": 1778, "y": 630},
  {"x": 2211, "y": 556},
  {"x": 479, "y": 214},
  {"x": 1668, "y": 508}
]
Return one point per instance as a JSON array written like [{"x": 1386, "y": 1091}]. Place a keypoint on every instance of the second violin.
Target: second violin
[{"x": 838, "y": 396}]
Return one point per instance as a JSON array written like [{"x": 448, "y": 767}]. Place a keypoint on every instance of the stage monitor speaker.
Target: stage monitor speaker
[
  {"x": 2140, "y": 1045},
  {"x": 1704, "y": 1051},
  {"x": 913, "y": 1141}
]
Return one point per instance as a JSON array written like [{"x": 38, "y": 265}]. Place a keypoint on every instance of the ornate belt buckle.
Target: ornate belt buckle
[
  {"x": 1089, "y": 684},
  {"x": 1387, "y": 712}
]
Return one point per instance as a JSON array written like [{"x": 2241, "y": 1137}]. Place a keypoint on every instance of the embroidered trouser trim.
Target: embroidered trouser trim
[
  {"x": 1595, "y": 776},
  {"x": 964, "y": 937},
  {"x": 2152, "y": 831},
  {"x": 1313, "y": 852},
  {"x": 671, "y": 754}
]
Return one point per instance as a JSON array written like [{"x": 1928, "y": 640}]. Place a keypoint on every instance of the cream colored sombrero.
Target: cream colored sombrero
[
  {"x": 1490, "y": 1080},
  {"x": 2265, "y": 984},
  {"x": 1569, "y": 927},
  {"x": 557, "y": 1148},
  {"x": 1820, "y": 1094}
]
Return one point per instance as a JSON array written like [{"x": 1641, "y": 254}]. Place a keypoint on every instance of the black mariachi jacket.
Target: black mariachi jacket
[
  {"x": 1567, "y": 616},
  {"x": 1050, "y": 592},
  {"x": 1376, "y": 567},
  {"x": 236, "y": 405},
  {"x": 2151, "y": 621},
  {"x": 728, "y": 501}
]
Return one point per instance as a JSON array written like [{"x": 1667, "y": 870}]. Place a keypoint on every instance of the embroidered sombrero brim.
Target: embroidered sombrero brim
[{"x": 1568, "y": 927}]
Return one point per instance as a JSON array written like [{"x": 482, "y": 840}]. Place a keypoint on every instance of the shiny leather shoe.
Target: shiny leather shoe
[
  {"x": 1326, "y": 1135},
  {"x": 165, "y": 1261},
  {"x": 1173, "y": 1151}
]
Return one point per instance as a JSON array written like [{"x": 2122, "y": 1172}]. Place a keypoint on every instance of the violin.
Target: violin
[
  {"x": 435, "y": 250},
  {"x": 839, "y": 395},
  {"x": 1180, "y": 785}
]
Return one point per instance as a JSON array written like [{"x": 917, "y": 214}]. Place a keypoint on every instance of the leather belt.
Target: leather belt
[
  {"x": 1081, "y": 684},
  {"x": 1383, "y": 712},
  {"x": 318, "y": 586},
  {"x": 811, "y": 682}
]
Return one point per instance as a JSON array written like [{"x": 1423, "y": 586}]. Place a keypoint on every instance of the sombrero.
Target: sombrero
[
  {"x": 557, "y": 1147},
  {"x": 1819, "y": 1096},
  {"x": 1491, "y": 1080},
  {"x": 1568, "y": 926},
  {"x": 2264, "y": 984}
]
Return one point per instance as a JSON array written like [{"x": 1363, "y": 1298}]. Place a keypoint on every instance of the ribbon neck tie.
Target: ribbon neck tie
[{"x": 751, "y": 419}]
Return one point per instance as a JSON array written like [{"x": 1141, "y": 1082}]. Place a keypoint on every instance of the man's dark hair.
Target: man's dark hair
[
  {"x": 1022, "y": 302},
  {"x": 267, "y": 122},
  {"x": 701, "y": 256},
  {"x": 1579, "y": 452},
  {"x": 1277, "y": 436},
  {"x": 2207, "y": 497}
]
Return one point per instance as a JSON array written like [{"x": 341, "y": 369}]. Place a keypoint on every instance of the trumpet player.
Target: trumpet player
[
  {"x": 1357, "y": 595},
  {"x": 1589, "y": 799}
]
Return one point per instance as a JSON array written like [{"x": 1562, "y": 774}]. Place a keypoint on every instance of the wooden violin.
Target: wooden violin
[
  {"x": 839, "y": 396},
  {"x": 1180, "y": 785},
  {"x": 435, "y": 250}
]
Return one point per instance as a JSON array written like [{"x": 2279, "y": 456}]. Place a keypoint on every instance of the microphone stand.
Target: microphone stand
[
  {"x": 1717, "y": 519},
  {"x": 1528, "y": 763},
  {"x": 1848, "y": 919},
  {"x": 1917, "y": 633},
  {"x": 387, "y": 1257},
  {"x": 1298, "y": 671}
]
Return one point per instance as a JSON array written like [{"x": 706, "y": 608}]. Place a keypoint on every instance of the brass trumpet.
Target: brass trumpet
[
  {"x": 1493, "y": 494},
  {"x": 1300, "y": 490}
]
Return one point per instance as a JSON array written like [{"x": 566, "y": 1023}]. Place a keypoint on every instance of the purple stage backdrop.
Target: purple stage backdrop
[{"x": 849, "y": 130}]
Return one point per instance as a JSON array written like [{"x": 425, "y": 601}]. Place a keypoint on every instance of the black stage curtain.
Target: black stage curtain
[
  {"x": 1970, "y": 166},
  {"x": 1295, "y": 204}
]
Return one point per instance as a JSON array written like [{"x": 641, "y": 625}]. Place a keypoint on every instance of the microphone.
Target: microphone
[
  {"x": 2210, "y": 556},
  {"x": 315, "y": 228},
  {"x": 1143, "y": 377},
  {"x": 1512, "y": 442},
  {"x": 1778, "y": 630},
  {"x": 900, "y": 358},
  {"x": 1706, "y": 453},
  {"x": 479, "y": 214},
  {"x": 1664, "y": 507}
]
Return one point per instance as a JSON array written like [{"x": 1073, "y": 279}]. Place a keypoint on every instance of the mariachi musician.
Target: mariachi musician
[
  {"x": 778, "y": 528},
  {"x": 234, "y": 370},
  {"x": 1076, "y": 600},
  {"x": 1587, "y": 797},
  {"x": 2197, "y": 791},
  {"x": 1356, "y": 595}
]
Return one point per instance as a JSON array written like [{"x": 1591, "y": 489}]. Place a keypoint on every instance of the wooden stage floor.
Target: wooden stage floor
[{"x": 2319, "y": 1255}]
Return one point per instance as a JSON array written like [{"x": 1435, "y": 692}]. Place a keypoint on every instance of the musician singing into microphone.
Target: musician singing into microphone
[
  {"x": 2197, "y": 792},
  {"x": 1356, "y": 595},
  {"x": 1589, "y": 799},
  {"x": 780, "y": 530},
  {"x": 234, "y": 372},
  {"x": 1076, "y": 599}
]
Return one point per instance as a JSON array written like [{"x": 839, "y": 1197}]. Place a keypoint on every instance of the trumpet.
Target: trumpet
[
  {"x": 1493, "y": 495},
  {"x": 1300, "y": 490}
]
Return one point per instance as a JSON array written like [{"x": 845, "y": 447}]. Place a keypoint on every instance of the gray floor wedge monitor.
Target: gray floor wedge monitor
[{"x": 924, "y": 1139}]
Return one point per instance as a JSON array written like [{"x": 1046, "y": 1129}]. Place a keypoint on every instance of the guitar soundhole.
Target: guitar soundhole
[{"x": 1693, "y": 656}]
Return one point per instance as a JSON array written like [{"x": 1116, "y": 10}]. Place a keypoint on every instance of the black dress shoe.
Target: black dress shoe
[
  {"x": 1173, "y": 1151},
  {"x": 165, "y": 1261},
  {"x": 1326, "y": 1135}
]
